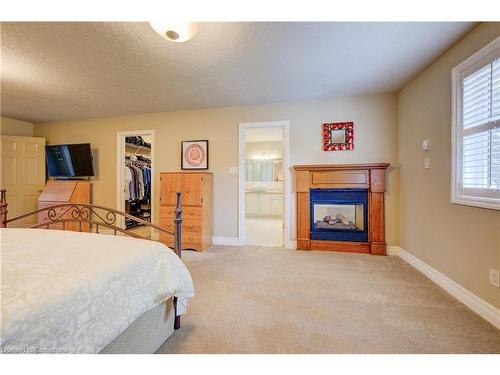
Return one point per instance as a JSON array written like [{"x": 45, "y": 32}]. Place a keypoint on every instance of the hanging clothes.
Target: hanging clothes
[
  {"x": 146, "y": 173},
  {"x": 138, "y": 178},
  {"x": 138, "y": 189},
  {"x": 130, "y": 184}
]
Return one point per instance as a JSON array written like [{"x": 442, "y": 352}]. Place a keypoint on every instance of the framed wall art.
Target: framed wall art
[
  {"x": 194, "y": 155},
  {"x": 338, "y": 136}
]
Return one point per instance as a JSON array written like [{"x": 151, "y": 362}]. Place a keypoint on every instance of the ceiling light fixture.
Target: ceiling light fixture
[{"x": 177, "y": 32}]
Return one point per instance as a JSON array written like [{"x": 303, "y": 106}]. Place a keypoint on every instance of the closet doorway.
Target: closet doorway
[{"x": 135, "y": 178}]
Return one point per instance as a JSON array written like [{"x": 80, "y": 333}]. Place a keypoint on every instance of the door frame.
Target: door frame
[
  {"x": 120, "y": 156},
  {"x": 285, "y": 125}
]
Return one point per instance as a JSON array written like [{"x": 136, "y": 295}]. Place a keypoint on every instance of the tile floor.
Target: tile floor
[{"x": 264, "y": 231}]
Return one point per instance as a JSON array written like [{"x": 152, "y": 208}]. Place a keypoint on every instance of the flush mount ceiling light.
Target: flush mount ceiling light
[{"x": 177, "y": 32}]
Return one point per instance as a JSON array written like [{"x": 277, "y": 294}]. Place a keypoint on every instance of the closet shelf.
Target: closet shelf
[{"x": 136, "y": 147}]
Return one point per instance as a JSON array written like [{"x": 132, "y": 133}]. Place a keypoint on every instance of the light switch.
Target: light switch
[
  {"x": 427, "y": 163},
  {"x": 233, "y": 170}
]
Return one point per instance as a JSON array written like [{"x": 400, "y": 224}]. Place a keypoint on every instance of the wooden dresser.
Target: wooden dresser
[
  {"x": 196, "y": 198},
  {"x": 59, "y": 192}
]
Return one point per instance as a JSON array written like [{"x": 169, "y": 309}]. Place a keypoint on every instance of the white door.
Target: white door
[{"x": 22, "y": 174}]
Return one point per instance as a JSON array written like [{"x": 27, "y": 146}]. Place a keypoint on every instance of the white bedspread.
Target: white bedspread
[{"x": 75, "y": 292}]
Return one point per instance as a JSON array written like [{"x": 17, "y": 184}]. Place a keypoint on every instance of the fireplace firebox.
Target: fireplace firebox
[{"x": 339, "y": 214}]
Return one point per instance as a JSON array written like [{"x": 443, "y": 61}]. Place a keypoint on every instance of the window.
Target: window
[{"x": 476, "y": 129}]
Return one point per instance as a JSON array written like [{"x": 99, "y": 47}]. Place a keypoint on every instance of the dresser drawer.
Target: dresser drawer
[
  {"x": 168, "y": 239},
  {"x": 191, "y": 237},
  {"x": 167, "y": 223},
  {"x": 188, "y": 225},
  {"x": 192, "y": 213},
  {"x": 187, "y": 212},
  {"x": 191, "y": 225},
  {"x": 167, "y": 211},
  {"x": 190, "y": 240}
]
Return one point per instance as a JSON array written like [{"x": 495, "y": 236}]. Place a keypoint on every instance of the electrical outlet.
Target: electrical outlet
[{"x": 494, "y": 277}]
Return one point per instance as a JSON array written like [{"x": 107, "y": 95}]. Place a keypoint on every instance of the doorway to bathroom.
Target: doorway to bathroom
[{"x": 263, "y": 179}]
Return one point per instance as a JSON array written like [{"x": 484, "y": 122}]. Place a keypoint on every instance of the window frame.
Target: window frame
[{"x": 484, "y": 198}]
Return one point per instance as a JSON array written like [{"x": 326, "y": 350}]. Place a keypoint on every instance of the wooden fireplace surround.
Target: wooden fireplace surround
[{"x": 342, "y": 176}]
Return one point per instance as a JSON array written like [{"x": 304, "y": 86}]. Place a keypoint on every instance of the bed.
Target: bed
[{"x": 83, "y": 292}]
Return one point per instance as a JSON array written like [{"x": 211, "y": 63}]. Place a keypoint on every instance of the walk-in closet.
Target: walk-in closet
[{"x": 138, "y": 179}]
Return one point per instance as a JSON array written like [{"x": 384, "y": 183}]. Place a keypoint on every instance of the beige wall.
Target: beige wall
[
  {"x": 10, "y": 126},
  {"x": 460, "y": 241},
  {"x": 375, "y": 119}
]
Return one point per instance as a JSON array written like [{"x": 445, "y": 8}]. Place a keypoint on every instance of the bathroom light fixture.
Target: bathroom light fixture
[{"x": 177, "y": 32}]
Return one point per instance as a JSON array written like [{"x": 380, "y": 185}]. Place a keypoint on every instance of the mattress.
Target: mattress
[{"x": 71, "y": 292}]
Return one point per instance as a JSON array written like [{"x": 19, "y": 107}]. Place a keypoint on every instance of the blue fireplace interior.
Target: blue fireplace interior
[{"x": 339, "y": 214}]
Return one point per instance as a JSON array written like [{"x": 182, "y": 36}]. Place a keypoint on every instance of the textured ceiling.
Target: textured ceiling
[{"x": 63, "y": 71}]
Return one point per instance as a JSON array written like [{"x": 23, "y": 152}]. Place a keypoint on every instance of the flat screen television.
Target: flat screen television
[{"x": 68, "y": 161}]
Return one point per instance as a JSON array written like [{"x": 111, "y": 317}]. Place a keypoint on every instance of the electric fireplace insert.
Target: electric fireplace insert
[{"x": 339, "y": 214}]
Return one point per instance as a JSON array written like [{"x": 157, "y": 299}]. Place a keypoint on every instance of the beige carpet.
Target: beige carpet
[{"x": 269, "y": 300}]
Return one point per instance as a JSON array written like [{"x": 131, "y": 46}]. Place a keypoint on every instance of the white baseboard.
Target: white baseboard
[
  {"x": 472, "y": 301},
  {"x": 394, "y": 250},
  {"x": 227, "y": 241},
  {"x": 234, "y": 241}
]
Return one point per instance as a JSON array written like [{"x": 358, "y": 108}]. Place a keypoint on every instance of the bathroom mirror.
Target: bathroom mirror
[{"x": 264, "y": 170}]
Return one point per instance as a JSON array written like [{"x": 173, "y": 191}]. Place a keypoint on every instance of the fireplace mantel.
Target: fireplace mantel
[{"x": 370, "y": 177}]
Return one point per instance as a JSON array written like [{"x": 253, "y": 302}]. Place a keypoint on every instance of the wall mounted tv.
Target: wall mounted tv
[{"x": 69, "y": 161}]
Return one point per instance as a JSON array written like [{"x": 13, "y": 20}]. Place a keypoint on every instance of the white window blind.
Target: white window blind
[{"x": 476, "y": 129}]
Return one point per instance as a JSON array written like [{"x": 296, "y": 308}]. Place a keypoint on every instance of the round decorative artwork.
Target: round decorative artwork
[{"x": 194, "y": 155}]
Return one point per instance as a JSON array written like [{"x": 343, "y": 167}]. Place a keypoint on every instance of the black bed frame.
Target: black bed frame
[{"x": 92, "y": 216}]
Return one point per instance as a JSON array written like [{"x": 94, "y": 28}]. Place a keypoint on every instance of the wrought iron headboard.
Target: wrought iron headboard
[{"x": 91, "y": 214}]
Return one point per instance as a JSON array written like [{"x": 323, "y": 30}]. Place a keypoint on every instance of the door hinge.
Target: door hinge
[{"x": 201, "y": 200}]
